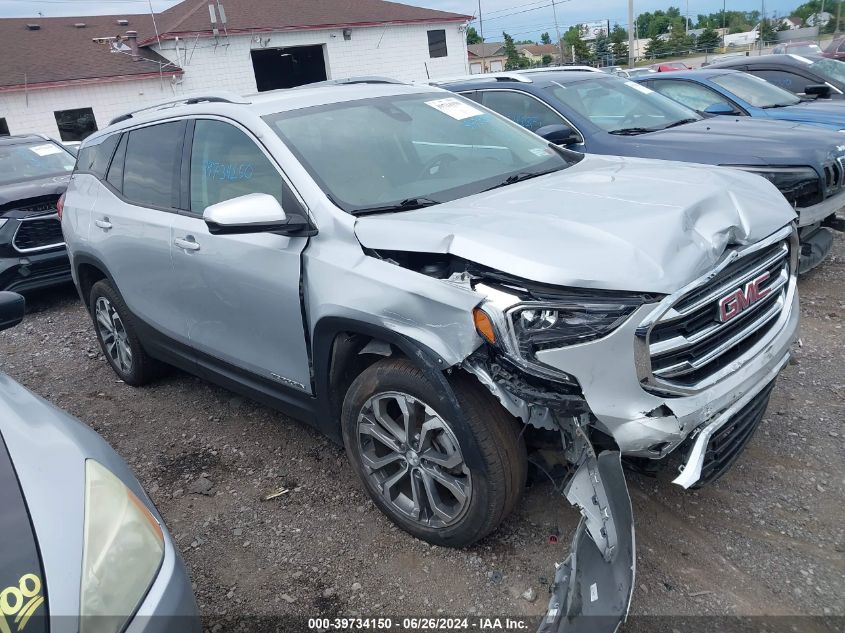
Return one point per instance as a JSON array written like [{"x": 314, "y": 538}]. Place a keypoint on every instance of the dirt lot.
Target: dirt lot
[{"x": 768, "y": 539}]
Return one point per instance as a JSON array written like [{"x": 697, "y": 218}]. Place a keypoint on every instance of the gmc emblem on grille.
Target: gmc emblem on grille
[{"x": 734, "y": 304}]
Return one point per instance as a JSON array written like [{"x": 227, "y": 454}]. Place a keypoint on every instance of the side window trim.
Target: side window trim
[
  {"x": 303, "y": 207},
  {"x": 483, "y": 91},
  {"x": 121, "y": 147},
  {"x": 185, "y": 175}
]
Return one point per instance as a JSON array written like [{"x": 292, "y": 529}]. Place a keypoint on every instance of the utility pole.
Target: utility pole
[
  {"x": 483, "y": 48},
  {"x": 819, "y": 24},
  {"x": 631, "y": 27},
  {"x": 557, "y": 31}
]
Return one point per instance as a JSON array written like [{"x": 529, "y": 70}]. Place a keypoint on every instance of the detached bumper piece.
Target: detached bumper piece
[
  {"x": 816, "y": 244},
  {"x": 593, "y": 586}
]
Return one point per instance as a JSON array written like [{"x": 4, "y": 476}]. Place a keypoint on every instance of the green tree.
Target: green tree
[
  {"x": 547, "y": 60},
  {"x": 545, "y": 38},
  {"x": 601, "y": 50},
  {"x": 473, "y": 37},
  {"x": 709, "y": 40},
  {"x": 619, "y": 44},
  {"x": 514, "y": 59},
  {"x": 572, "y": 40},
  {"x": 655, "y": 47},
  {"x": 767, "y": 31}
]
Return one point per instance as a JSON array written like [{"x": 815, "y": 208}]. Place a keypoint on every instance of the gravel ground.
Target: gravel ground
[{"x": 767, "y": 539}]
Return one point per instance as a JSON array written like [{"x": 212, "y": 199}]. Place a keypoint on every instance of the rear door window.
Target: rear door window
[
  {"x": 151, "y": 172},
  {"x": 95, "y": 159}
]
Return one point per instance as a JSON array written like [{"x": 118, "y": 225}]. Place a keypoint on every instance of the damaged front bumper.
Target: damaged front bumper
[{"x": 618, "y": 390}]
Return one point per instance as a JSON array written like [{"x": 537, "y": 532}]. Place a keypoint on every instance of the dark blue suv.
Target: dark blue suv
[{"x": 600, "y": 114}]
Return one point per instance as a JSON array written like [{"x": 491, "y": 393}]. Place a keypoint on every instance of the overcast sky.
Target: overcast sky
[{"x": 524, "y": 19}]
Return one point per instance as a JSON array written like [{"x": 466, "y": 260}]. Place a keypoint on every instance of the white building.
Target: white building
[{"x": 66, "y": 77}]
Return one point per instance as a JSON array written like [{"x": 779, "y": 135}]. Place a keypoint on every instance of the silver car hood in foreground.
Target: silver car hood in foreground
[{"x": 606, "y": 223}]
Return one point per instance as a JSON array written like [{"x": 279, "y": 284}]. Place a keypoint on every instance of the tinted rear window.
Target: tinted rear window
[
  {"x": 151, "y": 170},
  {"x": 95, "y": 158}
]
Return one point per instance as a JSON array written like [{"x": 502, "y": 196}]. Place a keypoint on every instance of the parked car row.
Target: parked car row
[
  {"x": 601, "y": 114},
  {"x": 447, "y": 280}
]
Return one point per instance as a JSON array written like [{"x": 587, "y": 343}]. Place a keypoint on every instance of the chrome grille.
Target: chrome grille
[
  {"x": 690, "y": 341},
  {"x": 38, "y": 233}
]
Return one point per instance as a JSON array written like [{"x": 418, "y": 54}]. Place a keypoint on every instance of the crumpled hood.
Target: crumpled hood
[
  {"x": 725, "y": 140},
  {"x": 51, "y": 185},
  {"x": 606, "y": 223}
]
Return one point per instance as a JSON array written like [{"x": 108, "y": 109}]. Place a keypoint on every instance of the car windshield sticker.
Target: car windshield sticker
[
  {"x": 639, "y": 87},
  {"x": 455, "y": 108},
  {"x": 46, "y": 149},
  {"x": 19, "y": 602}
]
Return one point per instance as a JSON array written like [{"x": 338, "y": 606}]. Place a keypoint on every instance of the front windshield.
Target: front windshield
[
  {"x": 407, "y": 151},
  {"x": 758, "y": 92},
  {"x": 830, "y": 69},
  {"x": 29, "y": 161},
  {"x": 619, "y": 107}
]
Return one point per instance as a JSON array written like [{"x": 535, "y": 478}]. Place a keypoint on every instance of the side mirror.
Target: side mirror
[
  {"x": 820, "y": 91},
  {"x": 719, "y": 109},
  {"x": 559, "y": 134},
  {"x": 12, "y": 309},
  {"x": 253, "y": 213}
]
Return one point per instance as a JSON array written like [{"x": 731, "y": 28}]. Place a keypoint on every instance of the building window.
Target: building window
[
  {"x": 75, "y": 125},
  {"x": 4, "y": 127},
  {"x": 437, "y": 43}
]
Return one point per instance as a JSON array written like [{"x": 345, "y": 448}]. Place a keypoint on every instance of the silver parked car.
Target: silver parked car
[
  {"x": 443, "y": 291},
  {"x": 84, "y": 550}
]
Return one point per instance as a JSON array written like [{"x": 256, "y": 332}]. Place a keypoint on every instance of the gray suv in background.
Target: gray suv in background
[{"x": 445, "y": 293}]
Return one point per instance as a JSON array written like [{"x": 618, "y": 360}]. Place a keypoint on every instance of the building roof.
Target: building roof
[
  {"x": 59, "y": 52},
  {"x": 794, "y": 20},
  {"x": 191, "y": 17},
  {"x": 538, "y": 50},
  {"x": 488, "y": 49}
]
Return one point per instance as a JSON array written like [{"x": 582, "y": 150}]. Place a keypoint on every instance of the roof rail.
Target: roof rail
[
  {"x": 349, "y": 81},
  {"x": 557, "y": 69},
  {"x": 502, "y": 76},
  {"x": 185, "y": 100}
]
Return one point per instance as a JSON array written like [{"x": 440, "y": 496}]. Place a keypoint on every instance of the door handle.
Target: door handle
[
  {"x": 103, "y": 224},
  {"x": 187, "y": 244}
]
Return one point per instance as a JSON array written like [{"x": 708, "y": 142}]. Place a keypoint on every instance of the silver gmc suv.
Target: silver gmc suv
[{"x": 448, "y": 295}]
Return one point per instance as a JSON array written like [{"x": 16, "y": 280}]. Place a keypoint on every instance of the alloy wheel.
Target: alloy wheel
[
  {"x": 113, "y": 334},
  {"x": 413, "y": 458}
]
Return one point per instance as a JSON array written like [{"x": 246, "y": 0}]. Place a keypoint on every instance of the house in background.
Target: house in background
[
  {"x": 66, "y": 77},
  {"x": 489, "y": 57},
  {"x": 792, "y": 22},
  {"x": 535, "y": 53}
]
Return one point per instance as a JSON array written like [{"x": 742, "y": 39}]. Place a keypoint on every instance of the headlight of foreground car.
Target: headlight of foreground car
[
  {"x": 123, "y": 549},
  {"x": 527, "y": 328},
  {"x": 801, "y": 186}
]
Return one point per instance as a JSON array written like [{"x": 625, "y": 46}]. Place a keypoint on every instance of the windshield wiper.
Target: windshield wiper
[
  {"x": 632, "y": 131},
  {"x": 677, "y": 123},
  {"x": 408, "y": 204},
  {"x": 519, "y": 177},
  {"x": 778, "y": 105}
]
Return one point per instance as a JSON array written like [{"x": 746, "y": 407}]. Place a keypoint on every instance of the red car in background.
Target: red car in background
[
  {"x": 667, "y": 67},
  {"x": 836, "y": 49}
]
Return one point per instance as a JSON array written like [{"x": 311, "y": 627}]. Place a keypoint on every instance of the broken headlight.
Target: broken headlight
[
  {"x": 801, "y": 186},
  {"x": 523, "y": 328}
]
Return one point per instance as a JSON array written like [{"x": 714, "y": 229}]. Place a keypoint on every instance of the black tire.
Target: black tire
[
  {"x": 142, "y": 367},
  {"x": 496, "y": 486}
]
